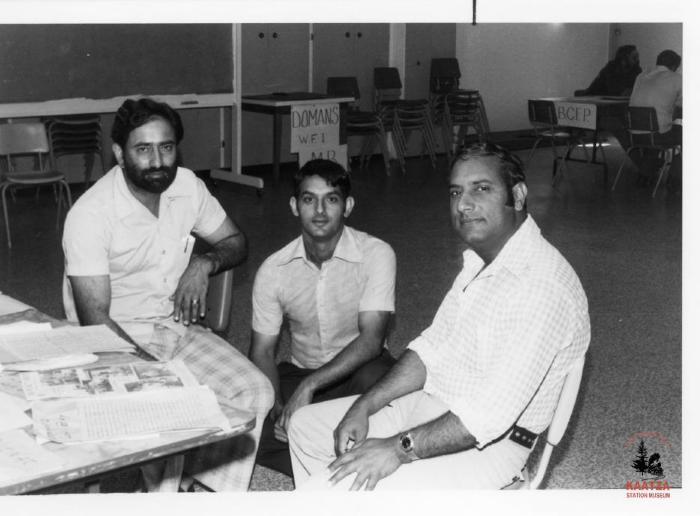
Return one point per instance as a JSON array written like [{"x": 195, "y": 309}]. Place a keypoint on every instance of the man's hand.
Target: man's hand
[
  {"x": 351, "y": 431},
  {"x": 371, "y": 460},
  {"x": 303, "y": 395},
  {"x": 190, "y": 297}
]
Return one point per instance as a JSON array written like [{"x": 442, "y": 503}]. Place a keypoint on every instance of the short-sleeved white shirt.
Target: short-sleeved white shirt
[
  {"x": 322, "y": 305},
  {"x": 109, "y": 232},
  {"x": 505, "y": 337},
  {"x": 661, "y": 89}
]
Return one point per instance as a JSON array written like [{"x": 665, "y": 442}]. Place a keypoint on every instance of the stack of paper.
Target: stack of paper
[
  {"x": 115, "y": 402},
  {"x": 68, "y": 340}
]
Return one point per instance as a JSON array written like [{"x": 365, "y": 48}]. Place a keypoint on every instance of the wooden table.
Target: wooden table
[
  {"x": 590, "y": 113},
  {"x": 87, "y": 461},
  {"x": 278, "y": 104}
]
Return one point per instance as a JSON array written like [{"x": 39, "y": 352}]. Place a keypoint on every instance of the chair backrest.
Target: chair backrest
[
  {"x": 219, "y": 298},
  {"x": 560, "y": 419},
  {"x": 23, "y": 138},
  {"x": 542, "y": 113},
  {"x": 642, "y": 125},
  {"x": 444, "y": 75},
  {"x": 387, "y": 85},
  {"x": 343, "y": 87}
]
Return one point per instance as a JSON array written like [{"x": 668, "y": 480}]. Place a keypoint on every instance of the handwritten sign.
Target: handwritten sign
[
  {"x": 315, "y": 132},
  {"x": 576, "y": 114}
]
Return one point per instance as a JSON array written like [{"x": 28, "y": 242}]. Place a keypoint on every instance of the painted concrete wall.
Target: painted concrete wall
[
  {"x": 509, "y": 63},
  {"x": 650, "y": 39}
]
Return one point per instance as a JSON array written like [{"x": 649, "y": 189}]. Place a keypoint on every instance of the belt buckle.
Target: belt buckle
[{"x": 523, "y": 437}]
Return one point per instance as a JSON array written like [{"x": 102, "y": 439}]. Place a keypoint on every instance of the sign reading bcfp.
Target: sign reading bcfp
[
  {"x": 315, "y": 132},
  {"x": 576, "y": 114}
]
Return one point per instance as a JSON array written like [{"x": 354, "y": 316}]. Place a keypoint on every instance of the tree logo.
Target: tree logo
[{"x": 650, "y": 466}]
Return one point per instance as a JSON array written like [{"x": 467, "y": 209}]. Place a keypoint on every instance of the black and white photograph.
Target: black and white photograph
[{"x": 427, "y": 256}]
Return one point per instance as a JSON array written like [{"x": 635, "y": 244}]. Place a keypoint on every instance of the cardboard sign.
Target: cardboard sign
[
  {"x": 316, "y": 133},
  {"x": 576, "y": 114}
]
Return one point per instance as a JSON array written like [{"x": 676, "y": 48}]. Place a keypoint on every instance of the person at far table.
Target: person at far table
[
  {"x": 334, "y": 285},
  {"x": 464, "y": 404},
  {"x": 128, "y": 245},
  {"x": 617, "y": 77},
  {"x": 662, "y": 89}
]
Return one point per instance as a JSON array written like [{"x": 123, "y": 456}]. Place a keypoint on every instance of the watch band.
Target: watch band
[{"x": 406, "y": 444}]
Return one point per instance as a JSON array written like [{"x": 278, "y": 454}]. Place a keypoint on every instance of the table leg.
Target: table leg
[{"x": 276, "y": 144}]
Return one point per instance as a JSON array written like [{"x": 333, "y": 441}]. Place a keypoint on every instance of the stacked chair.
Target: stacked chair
[
  {"x": 405, "y": 116},
  {"x": 543, "y": 118},
  {"x": 643, "y": 129},
  {"x": 367, "y": 124},
  {"x": 453, "y": 107},
  {"x": 80, "y": 134},
  {"x": 28, "y": 142}
]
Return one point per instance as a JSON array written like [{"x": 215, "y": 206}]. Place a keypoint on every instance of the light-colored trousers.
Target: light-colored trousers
[
  {"x": 311, "y": 445},
  {"x": 237, "y": 383}
]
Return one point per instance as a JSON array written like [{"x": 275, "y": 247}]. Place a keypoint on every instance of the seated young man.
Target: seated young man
[{"x": 335, "y": 287}]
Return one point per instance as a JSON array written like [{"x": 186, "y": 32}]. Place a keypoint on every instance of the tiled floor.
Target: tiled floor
[{"x": 625, "y": 246}]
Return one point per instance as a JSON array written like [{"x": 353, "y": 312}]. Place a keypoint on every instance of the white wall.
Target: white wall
[
  {"x": 649, "y": 38},
  {"x": 510, "y": 63}
]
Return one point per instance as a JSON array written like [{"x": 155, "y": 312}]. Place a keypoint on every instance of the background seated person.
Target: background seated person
[
  {"x": 335, "y": 287},
  {"x": 465, "y": 402},
  {"x": 662, "y": 89},
  {"x": 127, "y": 248},
  {"x": 617, "y": 77}
]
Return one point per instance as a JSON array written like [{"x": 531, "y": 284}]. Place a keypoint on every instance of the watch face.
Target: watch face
[{"x": 406, "y": 443}]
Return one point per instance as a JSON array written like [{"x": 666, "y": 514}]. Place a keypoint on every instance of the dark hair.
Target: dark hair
[
  {"x": 509, "y": 165},
  {"x": 135, "y": 113},
  {"x": 623, "y": 53},
  {"x": 334, "y": 174},
  {"x": 669, "y": 59}
]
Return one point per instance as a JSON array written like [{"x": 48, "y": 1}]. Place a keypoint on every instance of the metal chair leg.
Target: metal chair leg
[{"x": 619, "y": 170}]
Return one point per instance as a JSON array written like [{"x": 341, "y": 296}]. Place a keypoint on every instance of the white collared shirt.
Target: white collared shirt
[
  {"x": 323, "y": 305},
  {"x": 661, "y": 89},
  {"x": 504, "y": 338},
  {"x": 109, "y": 232}
]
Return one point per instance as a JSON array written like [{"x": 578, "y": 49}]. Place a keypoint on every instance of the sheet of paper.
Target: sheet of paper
[
  {"x": 12, "y": 410},
  {"x": 9, "y": 305},
  {"x": 22, "y": 457},
  {"x": 67, "y": 340},
  {"x": 112, "y": 417},
  {"x": 104, "y": 380},
  {"x": 23, "y": 327}
]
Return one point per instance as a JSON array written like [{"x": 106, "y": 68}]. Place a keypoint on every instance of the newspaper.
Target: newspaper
[
  {"x": 115, "y": 379},
  {"x": 100, "y": 418},
  {"x": 67, "y": 340}
]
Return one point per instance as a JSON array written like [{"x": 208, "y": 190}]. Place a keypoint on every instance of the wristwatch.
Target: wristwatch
[{"x": 406, "y": 445}]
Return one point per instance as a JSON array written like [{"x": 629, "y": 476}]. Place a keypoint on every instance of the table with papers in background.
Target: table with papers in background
[{"x": 55, "y": 445}]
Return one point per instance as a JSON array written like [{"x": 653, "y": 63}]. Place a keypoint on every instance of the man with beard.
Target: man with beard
[{"x": 127, "y": 248}]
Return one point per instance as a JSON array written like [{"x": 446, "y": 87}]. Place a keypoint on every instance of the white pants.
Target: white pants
[{"x": 311, "y": 445}]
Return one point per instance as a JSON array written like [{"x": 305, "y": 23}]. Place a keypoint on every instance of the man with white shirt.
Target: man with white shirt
[
  {"x": 128, "y": 245},
  {"x": 662, "y": 88},
  {"x": 463, "y": 406},
  {"x": 334, "y": 285}
]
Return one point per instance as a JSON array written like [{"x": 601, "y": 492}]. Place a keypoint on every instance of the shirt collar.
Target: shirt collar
[
  {"x": 515, "y": 254},
  {"x": 347, "y": 248},
  {"x": 125, "y": 201}
]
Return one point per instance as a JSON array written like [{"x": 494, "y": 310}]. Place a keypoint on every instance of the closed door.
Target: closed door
[
  {"x": 425, "y": 41},
  {"x": 350, "y": 49}
]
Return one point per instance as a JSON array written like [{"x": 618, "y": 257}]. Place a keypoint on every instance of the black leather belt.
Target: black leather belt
[{"x": 523, "y": 437}]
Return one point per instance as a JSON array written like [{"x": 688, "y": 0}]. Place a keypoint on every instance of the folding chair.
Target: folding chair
[
  {"x": 369, "y": 125},
  {"x": 80, "y": 134},
  {"x": 465, "y": 110},
  {"x": 219, "y": 299},
  {"x": 555, "y": 432},
  {"x": 643, "y": 129},
  {"x": 543, "y": 119},
  {"x": 29, "y": 139}
]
